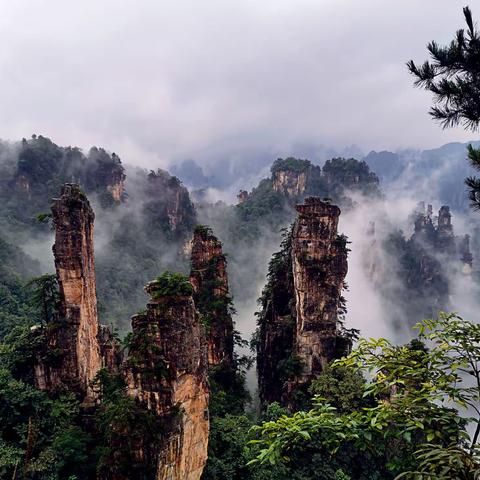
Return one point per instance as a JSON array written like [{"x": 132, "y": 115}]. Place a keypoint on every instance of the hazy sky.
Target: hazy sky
[{"x": 156, "y": 80}]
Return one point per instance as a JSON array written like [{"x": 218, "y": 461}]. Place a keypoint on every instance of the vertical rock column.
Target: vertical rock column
[
  {"x": 445, "y": 235},
  {"x": 276, "y": 326},
  {"x": 319, "y": 258},
  {"x": 466, "y": 256},
  {"x": 167, "y": 374},
  {"x": 210, "y": 283},
  {"x": 74, "y": 262},
  {"x": 74, "y": 337},
  {"x": 290, "y": 183}
]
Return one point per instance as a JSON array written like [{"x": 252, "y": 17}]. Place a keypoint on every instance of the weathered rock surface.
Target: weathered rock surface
[
  {"x": 75, "y": 336},
  {"x": 209, "y": 279},
  {"x": 466, "y": 256},
  {"x": 290, "y": 183},
  {"x": 116, "y": 181},
  {"x": 319, "y": 270},
  {"x": 167, "y": 374},
  {"x": 299, "y": 325},
  {"x": 439, "y": 237},
  {"x": 168, "y": 205}
]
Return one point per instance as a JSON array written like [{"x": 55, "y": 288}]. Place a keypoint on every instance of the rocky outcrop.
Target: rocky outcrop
[
  {"x": 22, "y": 183},
  {"x": 466, "y": 256},
  {"x": 290, "y": 183},
  {"x": 319, "y": 258},
  {"x": 445, "y": 236},
  {"x": 424, "y": 266},
  {"x": 116, "y": 180},
  {"x": 75, "y": 335},
  {"x": 109, "y": 349},
  {"x": 103, "y": 173},
  {"x": 439, "y": 236},
  {"x": 166, "y": 373},
  {"x": 208, "y": 277},
  {"x": 275, "y": 335},
  {"x": 300, "y": 328},
  {"x": 242, "y": 196},
  {"x": 168, "y": 206}
]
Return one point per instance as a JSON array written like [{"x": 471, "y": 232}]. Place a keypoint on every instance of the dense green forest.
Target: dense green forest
[
  {"x": 348, "y": 405},
  {"x": 346, "y": 430}
]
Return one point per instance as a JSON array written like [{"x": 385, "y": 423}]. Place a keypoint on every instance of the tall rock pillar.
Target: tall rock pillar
[
  {"x": 319, "y": 260},
  {"x": 167, "y": 374},
  {"x": 74, "y": 337},
  {"x": 210, "y": 283},
  {"x": 299, "y": 325}
]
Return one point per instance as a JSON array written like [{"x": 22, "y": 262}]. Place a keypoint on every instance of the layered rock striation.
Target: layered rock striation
[
  {"x": 166, "y": 373},
  {"x": 300, "y": 328},
  {"x": 319, "y": 258},
  {"x": 168, "y": 205},
  {"x": 290, "y": 183},
  {"x": 209, "y": 279},
  {"x": 74, "y": 336}
]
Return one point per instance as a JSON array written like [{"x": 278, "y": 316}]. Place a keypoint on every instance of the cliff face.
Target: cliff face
[
  {"x": 76, "y": 345},
  {"x": 440, "y": 236},
  {"x": 319, "y": 259},
  {"x": 75, "y": 336},
  {"x": 102, "y": 173},
  {"x": 425, "y": 266},
  {"x": 290, "y": 183},
  {"x": 43, "y": 167},
  {"x": 466, "y": 256},
  {"x": 208, "y": 277},
  {"x": 116, "y": 183},
  {"x": 276, "y": 331},
  {"x": 168, "y": 207},
  {"x": 167, "y": 374},
  {"x": 299, "y": 326}
]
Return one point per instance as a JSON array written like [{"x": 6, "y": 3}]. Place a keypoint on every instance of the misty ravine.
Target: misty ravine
[{"x": 266, "y": 267}]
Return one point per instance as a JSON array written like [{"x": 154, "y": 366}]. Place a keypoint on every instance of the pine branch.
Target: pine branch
[
  {"x": 468, "y": 18},
  {"x": 473, "y": 184},
  {"x": 474, "y": 156}
]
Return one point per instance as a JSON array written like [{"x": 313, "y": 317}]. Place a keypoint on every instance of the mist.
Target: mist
[{"x": 163, "y": 82}]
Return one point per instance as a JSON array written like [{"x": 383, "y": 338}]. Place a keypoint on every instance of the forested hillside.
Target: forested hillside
[{"x": 183, "y": 348}]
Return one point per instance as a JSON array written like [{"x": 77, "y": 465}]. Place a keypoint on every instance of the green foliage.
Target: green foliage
[
  {"x": 203, "y": 230},
  {"x": 277, "y": 267},
  {"x": 40, "y": 436},
  {"x": 472, "y": 182},
  {"x": 170, "y": 284},
  {"x": 445, "y": 463},
  {"x": 122, "y": 425},
  {"x": 44, "y": 217},
  {"x": 229, "y": 452},
  {"x": 424, "y": 284},
  {"x": 452, "y": 76},
  {"x": 289, "y": 368},
  {"x": 342, "y": 388},
  {"x": 214, "y": 305},
  {"x": 344, "y": 175},
  {"x": 45, "y": 295},
  {"x": 418, "y": 396},
  {"x": 290, "y": 164},
  {"x": 228, "y": 393},
  {"x": 15, "y": 304}
]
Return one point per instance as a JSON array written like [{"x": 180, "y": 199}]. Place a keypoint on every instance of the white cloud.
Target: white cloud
[{"x": 162, "y": 80}]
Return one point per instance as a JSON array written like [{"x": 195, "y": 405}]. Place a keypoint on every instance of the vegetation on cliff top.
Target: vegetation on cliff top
[{"x": 170, "y": 284}]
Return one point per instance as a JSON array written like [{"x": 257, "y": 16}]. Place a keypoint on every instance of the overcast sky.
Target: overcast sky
[{"x": 157, "y": 80}]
